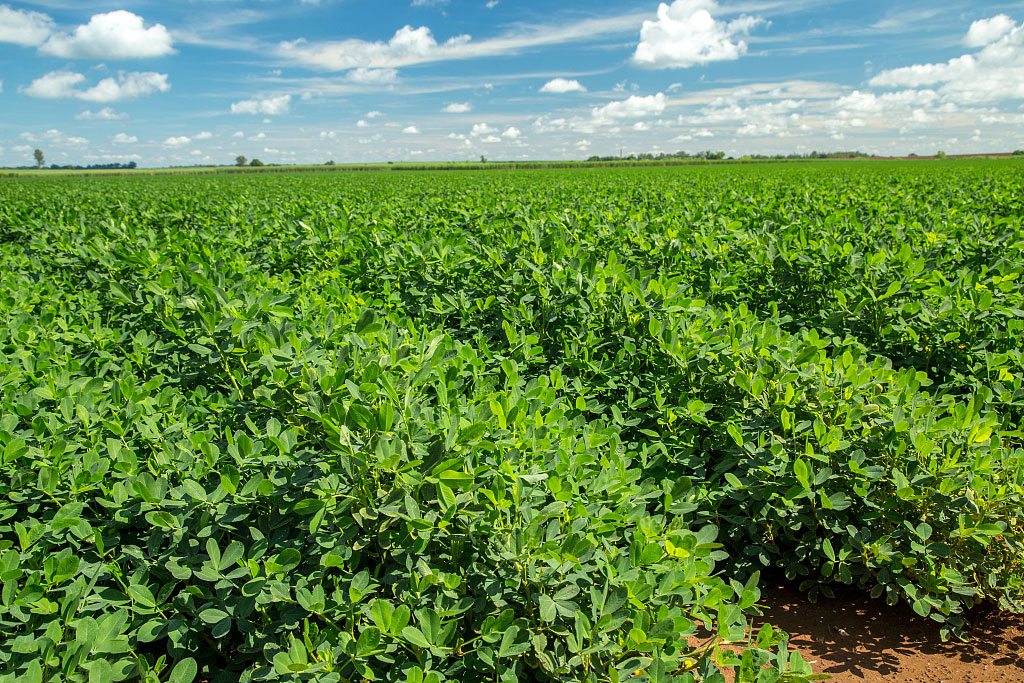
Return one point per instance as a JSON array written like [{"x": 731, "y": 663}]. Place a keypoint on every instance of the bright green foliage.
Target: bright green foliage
[{"x": 479, "y": 427}]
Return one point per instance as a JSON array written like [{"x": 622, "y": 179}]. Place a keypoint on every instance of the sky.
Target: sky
[{"x": 306, "y": 81}]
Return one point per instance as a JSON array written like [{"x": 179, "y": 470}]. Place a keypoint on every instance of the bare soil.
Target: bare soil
[{"x": 854, "y": 638}]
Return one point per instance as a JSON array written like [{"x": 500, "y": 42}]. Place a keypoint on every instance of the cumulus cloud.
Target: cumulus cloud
[
  {"x": 411, "y": 130},
  {"x": 408, "y": 46},
  {"x": 458, "y": 108},
  {"x": 685, "y": 34},
  {"x": 512, "y": 133},
  {"x": 864, "y": 102},
  {"x": 986, "y": 31},
  {"x": 562, "y": 85},
  {"x": 362, "y": 124},
  {"x": 204, "y": 135},
  {"x": 127, "y": 85},
  {"x": 54, "y": 85},
  {"x": 994, "y": 73},
  {"x": 114, "y": 35},
  {"x": 271, "y": 106},
  {"x": 482, "y": 129},
  {"x": 124, "y": 139},
  {"x": 23, "y": 27},
  {"x": 632, "y": 107},
  {"x": 374, "y": 114},
  {"x": 372, "y": 76},
  {"x": 177, "y": 141},
  {"x": 105, "y": 114}
]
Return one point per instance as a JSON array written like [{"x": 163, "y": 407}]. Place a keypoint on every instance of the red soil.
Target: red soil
[{"x": 855, "y": 639}]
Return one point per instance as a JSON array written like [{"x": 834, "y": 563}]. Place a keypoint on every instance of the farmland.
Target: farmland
[{"x": 542, "y": 425}]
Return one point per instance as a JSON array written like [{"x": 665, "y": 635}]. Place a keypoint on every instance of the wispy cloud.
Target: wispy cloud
[{"x": 409, "y": 46}]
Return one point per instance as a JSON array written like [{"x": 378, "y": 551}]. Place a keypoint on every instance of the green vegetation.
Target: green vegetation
[{"x": 543, "y": 426}]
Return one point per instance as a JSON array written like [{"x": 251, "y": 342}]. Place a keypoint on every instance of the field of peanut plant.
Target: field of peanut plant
[{"x": 500, "y": 426}]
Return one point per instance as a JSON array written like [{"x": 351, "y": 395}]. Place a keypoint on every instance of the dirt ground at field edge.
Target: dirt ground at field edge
[{"x": 856, "y": 639}]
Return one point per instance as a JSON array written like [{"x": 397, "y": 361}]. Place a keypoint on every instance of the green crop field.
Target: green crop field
[{"x": 544, "y": 425}]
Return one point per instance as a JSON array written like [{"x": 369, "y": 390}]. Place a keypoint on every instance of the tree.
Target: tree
[
  {"x": 40, "y": 160},
  {"x": 240, "y": 160},
  {"x": 483, "y": 159},
  {"x": 255, "y": 162},
  {"x": 940, "y": 154}
]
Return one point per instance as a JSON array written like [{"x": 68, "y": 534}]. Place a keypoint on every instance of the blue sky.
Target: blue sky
[{"x": 300, "y": 81}]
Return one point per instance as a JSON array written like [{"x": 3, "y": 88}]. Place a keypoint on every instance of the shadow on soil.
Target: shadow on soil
[{"x": 854, "y": 634}]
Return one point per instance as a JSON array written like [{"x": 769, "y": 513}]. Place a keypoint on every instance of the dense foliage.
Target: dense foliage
[{"x": 542, "y": 426}]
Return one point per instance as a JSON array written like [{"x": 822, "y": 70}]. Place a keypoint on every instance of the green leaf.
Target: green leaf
[
  {"x": 213, "y": 615},
  {"x": 184, "y": 671},
  {"x": 548, "y": 609},
  {"x": 14, "y": 450},
  {"x": 735, "y": 433},
  {"x": 162, "y": 518},
  {"x": 456, "y": 479},
  {"x": 142, "y": 595},
  {"x": 368, "y": 641},
  {"x": 415, "y": 636}
]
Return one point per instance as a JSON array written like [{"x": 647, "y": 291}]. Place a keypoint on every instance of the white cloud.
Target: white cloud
[
  {"x": 373, "y": 76},
  {"x": 114, "y": 35},
  {"x": 374, "y": 114},
  {"x": 23, "y": 27},
  {"x": 632, "y": 107},
  {"x": 994, "y": 73},
  {"x": 362, "y": 124},
  {"x": 55, "y": 84},
  {"x": 512, "y": 133},
  {"x": 986, "y": 31},
  {"x": 128, "y": 85},
  {"x": 458, "y": 108},
  {"x": 105, "y": 114},
  {"x": 238, "y": 134},
  {"x": 491, "y": 4},
  {"x": 178, "y": 141},
  {"x": 270, "y": 106},
  {"x": 411, "y": 130},
  {"x": 204, "y": 135},
  {"x": 74, "y": 140},
  {"x": 482, "y": 129},
  {"x": 124, "y": 139},
  {"x": 562, "y": 85},
  {"x": 418, "y": 46},
  {"x": 641, "y": 126},
  {"x": 685, "y": 34},
  {"x": 870, "y": 103}
]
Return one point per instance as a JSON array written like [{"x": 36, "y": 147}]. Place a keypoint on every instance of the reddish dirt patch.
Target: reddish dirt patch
[{"x": 855, "y": 639}]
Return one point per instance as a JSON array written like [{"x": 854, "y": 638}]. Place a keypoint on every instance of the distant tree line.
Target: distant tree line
[
  {"x": 95, "y": 167},
  {"x": 854, "y": 154},
  {"x": 661, "y": 156},
  {"x": 76, "y": 167},
  {"x": 708, "y": 154}
]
